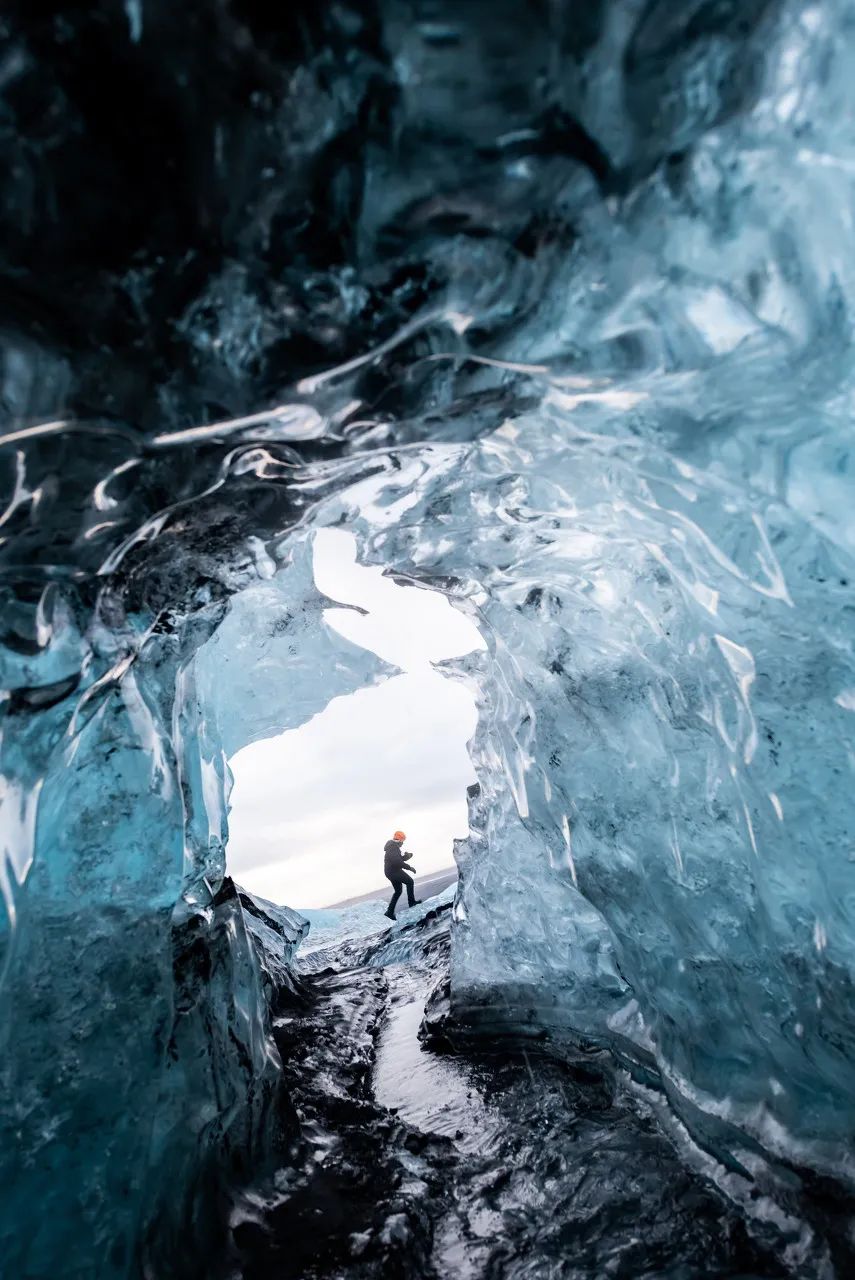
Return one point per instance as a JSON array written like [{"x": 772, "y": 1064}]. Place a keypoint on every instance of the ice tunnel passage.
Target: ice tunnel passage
[{"x": 558, "y": 314}]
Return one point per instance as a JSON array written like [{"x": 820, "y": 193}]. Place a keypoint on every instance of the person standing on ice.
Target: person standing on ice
[{"x": 396, "y": 865}]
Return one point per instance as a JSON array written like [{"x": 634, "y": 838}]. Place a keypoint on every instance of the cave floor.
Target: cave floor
[{"x": 493, "y": 1161}]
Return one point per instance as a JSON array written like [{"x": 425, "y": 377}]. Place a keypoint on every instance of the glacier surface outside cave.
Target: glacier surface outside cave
[{"x": 556, "y": 317}]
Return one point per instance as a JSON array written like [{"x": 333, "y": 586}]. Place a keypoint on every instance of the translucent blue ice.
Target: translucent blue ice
[
  {"x": 137, "y": 1069},
  {"x": 658, "y": 551},
  {"x": 580, "y": 356}
]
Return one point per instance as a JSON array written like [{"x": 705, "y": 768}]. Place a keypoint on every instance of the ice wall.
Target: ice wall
[
  {"x": 139, "y": 1077},
  {"x": 657, "y": 541},
  {"x": 135, "y": 1049}
]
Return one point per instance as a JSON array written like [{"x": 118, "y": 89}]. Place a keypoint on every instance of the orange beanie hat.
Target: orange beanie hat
[{"x": 399, "y": 835}]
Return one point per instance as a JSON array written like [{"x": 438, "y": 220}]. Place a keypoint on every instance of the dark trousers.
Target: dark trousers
[{"x": 399, "y": 879}]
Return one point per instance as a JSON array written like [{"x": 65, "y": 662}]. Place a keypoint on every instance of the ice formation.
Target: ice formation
[{"x": 555, "y": 315}]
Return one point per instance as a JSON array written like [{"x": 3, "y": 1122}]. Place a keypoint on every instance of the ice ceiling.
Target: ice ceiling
[{"x": 554, "y": 313}]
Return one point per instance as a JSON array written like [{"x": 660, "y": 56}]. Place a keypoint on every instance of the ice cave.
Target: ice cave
[{"x": 549, "y": 306}]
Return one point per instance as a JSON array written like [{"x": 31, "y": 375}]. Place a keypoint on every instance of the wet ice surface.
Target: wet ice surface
[
  {"x": 491, "y": 1158},
  {"x": 429, "y": 1091}
]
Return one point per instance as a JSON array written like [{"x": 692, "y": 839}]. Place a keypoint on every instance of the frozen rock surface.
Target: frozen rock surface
[{"x": 552, "y": 306}]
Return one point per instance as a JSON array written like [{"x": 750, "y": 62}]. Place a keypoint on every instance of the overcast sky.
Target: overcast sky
[{"x": 312, "y": 808}]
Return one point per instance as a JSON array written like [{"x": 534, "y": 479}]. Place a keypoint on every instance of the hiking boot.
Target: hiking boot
[{"x": 390, "y": 915}]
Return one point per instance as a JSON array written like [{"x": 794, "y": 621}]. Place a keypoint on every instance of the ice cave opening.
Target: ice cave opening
[{"x": 310, "y": 809}]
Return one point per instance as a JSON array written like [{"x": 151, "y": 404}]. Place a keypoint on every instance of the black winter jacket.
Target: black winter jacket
[{"x": 393, "y": 859}]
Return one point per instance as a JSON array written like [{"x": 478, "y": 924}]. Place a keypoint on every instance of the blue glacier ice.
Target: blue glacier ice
[
  {"x": 658, "y": 550},
  {"x": 554, "y": 313},
  {"x": 130, "y": 953}
]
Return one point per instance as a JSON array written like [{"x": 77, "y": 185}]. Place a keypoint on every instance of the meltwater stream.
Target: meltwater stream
[{"x": 551, "y": 307}]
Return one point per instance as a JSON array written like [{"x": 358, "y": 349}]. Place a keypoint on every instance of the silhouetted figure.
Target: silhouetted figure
[{"x": 396, "y": 865}]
